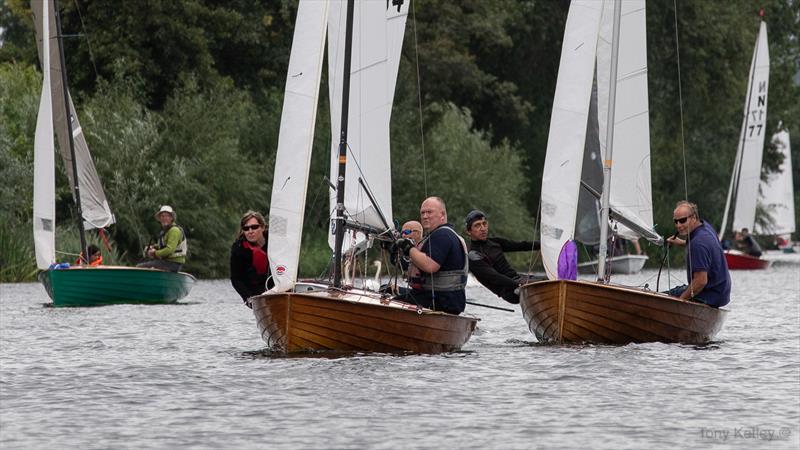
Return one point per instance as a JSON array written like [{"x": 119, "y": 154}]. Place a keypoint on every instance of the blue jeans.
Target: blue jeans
[{"x": 678, "y": 290}]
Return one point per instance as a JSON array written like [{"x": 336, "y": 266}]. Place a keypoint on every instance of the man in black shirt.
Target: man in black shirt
[{"x": 488, "y": 262}]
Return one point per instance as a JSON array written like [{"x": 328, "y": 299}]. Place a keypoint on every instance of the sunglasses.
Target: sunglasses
[
  {"x": 251, "y": 227},
  {"x": 406, "y": 232},
  {"x": 681, "y": 220}
]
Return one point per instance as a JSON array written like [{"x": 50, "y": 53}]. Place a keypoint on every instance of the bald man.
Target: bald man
[{"x": 439, "y": 263}]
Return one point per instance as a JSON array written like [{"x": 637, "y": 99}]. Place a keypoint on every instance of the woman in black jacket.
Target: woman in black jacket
[{"x": 250, "y": 273}]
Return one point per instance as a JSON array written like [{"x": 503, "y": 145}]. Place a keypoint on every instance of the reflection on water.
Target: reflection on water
[{"x": 198, "y": 375}]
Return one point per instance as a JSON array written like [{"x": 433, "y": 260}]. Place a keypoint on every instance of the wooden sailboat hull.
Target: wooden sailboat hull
[
  {"x": 355, "y": 322},
  {"x": 740, "y": 261},
  {"x": 562, "y": 311},
  {"x": 623, "y": 264},
  {"x": 108, "y": 285}
]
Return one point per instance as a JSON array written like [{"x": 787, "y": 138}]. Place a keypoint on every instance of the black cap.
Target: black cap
[{"x": 473, "y": 215}]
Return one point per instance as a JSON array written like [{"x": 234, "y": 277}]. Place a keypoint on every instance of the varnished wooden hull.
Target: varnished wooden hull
[
  {"x": 355, "y": 322},
  {"x": 562, "y": 311},
  {"x": 740, "y": 261}
]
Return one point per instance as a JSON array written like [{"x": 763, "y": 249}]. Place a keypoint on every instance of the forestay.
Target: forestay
[
  {"x": 378, "y": 31},
  {"x": 94, "y": 205},
  {"x": 778, "y": 193},
  {"x": 296, "y": 138}
]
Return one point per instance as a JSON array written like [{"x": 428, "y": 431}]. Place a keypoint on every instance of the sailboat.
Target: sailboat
[
  {"x": 746, "y": 174},
  {"x": 298, "y": 316},
  {"x": 79, "y": 285},
  {"x": 609, "y": 37},
  {"x": 777, "y": 196}
]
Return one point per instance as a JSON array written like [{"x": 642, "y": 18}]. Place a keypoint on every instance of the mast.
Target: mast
[
  {"x": 340, "y": 219},
  {"x": 76, "y": 188},
  {"x": 737, "y": 164},
  {"x": 607, "y": 158}
]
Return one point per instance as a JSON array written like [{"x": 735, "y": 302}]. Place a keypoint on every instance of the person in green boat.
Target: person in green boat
[{"x": 170, "y": 251}]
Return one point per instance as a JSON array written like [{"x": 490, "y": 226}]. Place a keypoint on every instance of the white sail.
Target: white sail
[
  {"x": 630, "y": 190},
  {"x": 751, "y": 140},
  {"x": 94, "y": 205},
  {"x": 378, "y": 30},
  {"x": 778, "y": 192},
  {"x": 565, "y": 142},
  {"x": 295, "y": 141},
  {"x": 44, "y": 203}
]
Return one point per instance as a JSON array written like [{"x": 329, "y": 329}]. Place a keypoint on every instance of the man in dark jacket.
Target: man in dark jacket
[{"x": 488, "y": 262}]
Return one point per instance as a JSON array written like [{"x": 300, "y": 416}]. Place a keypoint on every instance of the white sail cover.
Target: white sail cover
[
  {"x": 44, "y": 203},
  {"x": 631, "y": 191},
  {"x": 565, "y": 142},
  {"x": 378, "y": 29},
  {"x": 295, "y": 140},
  {"x": 778, "y": 192},
  {"x": 94, "y": 205},
  {"x": 751, "y": 142}
]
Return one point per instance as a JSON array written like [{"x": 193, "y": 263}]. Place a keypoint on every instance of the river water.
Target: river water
[{"x": 195, "y": 375}]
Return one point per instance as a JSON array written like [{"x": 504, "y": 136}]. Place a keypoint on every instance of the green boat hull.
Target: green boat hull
[{"x": 109, "y": 285}]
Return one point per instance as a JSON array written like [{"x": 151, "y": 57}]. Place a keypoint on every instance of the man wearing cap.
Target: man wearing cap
[
  {"x": 488, "y": 262},
  {"x": 170, "y": 252},
  {"x": 438, "y": 272}
]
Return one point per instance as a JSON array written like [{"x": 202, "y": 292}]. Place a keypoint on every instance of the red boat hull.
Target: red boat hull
[{"x": 741, "y": 261}]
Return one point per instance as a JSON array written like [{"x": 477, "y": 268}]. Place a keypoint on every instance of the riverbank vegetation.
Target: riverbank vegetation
[{"x": 180, "y": 102}]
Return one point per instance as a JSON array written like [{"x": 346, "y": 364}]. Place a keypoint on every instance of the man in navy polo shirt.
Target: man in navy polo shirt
[
  {"x": 439, "y": 262},
  {"x": 706, "y": 269}
]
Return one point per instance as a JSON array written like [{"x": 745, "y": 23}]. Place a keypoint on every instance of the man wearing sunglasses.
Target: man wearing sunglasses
[
  {"x": 706, "y": 269},
  {"x": 488, "y": 262}
]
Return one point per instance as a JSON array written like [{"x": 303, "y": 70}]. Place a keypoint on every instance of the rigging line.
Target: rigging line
[
  {"x": 680, "y": 99},
  {"x": 419, "y": 99},
  {"x": 88, "y": 42},
  {"x": 683, "y": 140}
]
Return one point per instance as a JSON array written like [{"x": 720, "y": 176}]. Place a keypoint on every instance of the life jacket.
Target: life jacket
[
  {"x": 446, "y": 280},
  {"x": 182, "y": 249},
  {"x": 95, "y": 263}
]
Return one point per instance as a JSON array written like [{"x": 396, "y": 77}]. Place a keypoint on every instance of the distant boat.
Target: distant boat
[
  {"x": 747, "y": 166},
  {"x": 78, "y": 285},
  {"x": 312, "y": 316},
  {"x": 567, "y": 311},
  {"x": 623, "y": 264}
]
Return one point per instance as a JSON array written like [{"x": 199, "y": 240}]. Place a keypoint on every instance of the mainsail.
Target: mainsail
[
  {"x": 378, "y": 30},
  {"x": 565, "y": 142},
  {"x": 778, "y": 193},
  {"x": 295, "y": 141},
  {"x": 94, "y": 205},
  {"x": 630, "y": 192},
  {"x": 44, "y": 201},
  {"x": 587, "y": 45},
  {"x": 747, "y": 168}
]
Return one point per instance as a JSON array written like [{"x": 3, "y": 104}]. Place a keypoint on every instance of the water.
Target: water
[{"x": 194, "y": 375}]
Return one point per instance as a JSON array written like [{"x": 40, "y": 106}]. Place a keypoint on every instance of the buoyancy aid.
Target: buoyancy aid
[
  {"x": 183, "y": 247},
  {"x": 446, "y": 280}
]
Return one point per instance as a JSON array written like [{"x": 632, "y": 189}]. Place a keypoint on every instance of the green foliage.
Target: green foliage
[
  {"x": 181, "y": 102},
  {"x": 17, "y": 262}
]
